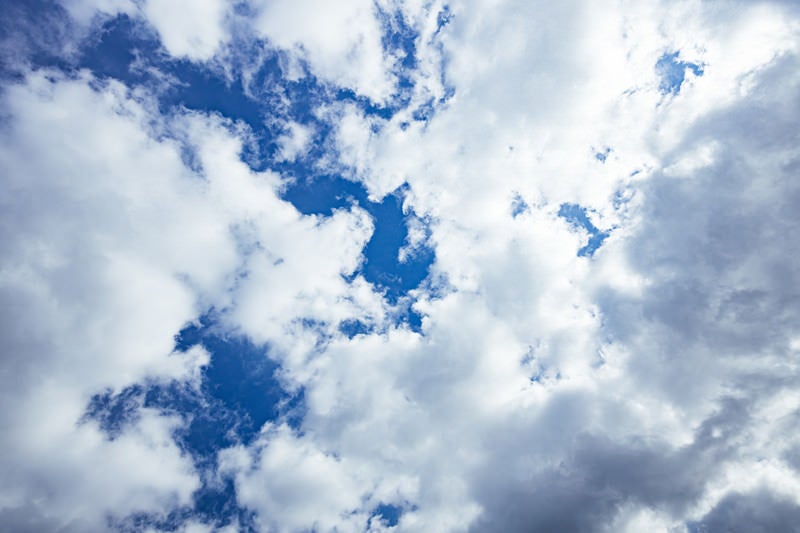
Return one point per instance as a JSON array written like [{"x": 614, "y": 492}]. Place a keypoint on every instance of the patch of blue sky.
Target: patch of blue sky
[
  {"x": 33, "y": 31},
  {"x": 672, "y": 71},
  {"x": 518, "y": 206},
  {"x": 118, "y": 49},
  {"x": 321, "y": 195},
  {"x": 622, "y": 197},
  {"x": 210, "y": 511},
  {"x": 353, "y": 328},
  {"x": 602, "y": 155},
  {"x": 215, "y": 503},
  {"x": 128, "y": 52},
  {"x": 389, "y": 514},
  {"x": 444, "y": 17},
  {"x": 240, "y": 377},
  {"x": 113, "y": 412},
  {"x": 577, "y": 217},
  {"x": 238, "y": 394},
  {"x": 381, "y": 265},
  {"x": 406, "y": 315},
  {"x": 399, "y": 39}
]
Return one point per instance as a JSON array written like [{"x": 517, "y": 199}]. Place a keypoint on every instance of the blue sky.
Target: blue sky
[{"x": 372, "y": 266}]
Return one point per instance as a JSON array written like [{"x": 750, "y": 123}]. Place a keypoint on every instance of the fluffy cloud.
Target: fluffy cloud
[
  {"x": 656, "y": 365},
  {"x": 110, "y": 245},
  {"x": 190, "y": 29},
  {"x": 649, "y": 387},
  {"x": 295, "y": 487},
  {"x": 90, "y": 301},
  {"x": 340, "y": 41}
]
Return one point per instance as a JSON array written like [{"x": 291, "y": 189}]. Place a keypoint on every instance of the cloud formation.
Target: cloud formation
[{"x": 234, "y": 184}]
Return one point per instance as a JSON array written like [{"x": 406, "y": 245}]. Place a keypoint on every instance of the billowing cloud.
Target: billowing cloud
[{"x": 213, "y": 314}]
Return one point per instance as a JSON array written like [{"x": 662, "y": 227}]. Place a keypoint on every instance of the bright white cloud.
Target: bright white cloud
[
  {"x": 643, "y": 388},
  {"x": 295, "y": 142},
  {"x": 91, "y": 300},
  {"x": 341, "y": 41},
  {"x": 194, "y": 29},
  {"x": 295, "y": 486},
  {"x": 110, "y": 246},
  {"x": 189, "y": 28},
  {"x": 87, "y": 11}
]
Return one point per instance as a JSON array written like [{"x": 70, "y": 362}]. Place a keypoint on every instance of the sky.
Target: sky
[{"x": 373, "y": 266}]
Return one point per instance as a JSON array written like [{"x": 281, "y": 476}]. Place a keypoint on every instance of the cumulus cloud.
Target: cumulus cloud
[
  {"x": 89, "y": 302},
  {"x": 651, "y": 386},
  {"x": 190, "y": 29},
  {"x": 111, "y": 244},
  {"x": 340, "y": 41},
  {"x": 295, "y": 486},
  {"x": 295, "y": 142},
  {"x": 642, "y": 368}
]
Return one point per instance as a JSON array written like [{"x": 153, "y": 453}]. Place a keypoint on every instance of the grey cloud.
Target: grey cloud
[
  {"x": 719, "y": 248},
  {"x": 757, "y": 512},
  {"x": 31, "y": 518},
  {"x": 596, "y": 476}
]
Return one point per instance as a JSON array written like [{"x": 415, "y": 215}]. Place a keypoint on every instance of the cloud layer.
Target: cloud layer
[{"x": 271, "y": 175}]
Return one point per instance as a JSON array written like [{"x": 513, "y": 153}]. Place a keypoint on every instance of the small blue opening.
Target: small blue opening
[
  {"x": 576, "y": 216},
  {"x": 673, "y": 72},
  {"x": 388, "y": 513}
]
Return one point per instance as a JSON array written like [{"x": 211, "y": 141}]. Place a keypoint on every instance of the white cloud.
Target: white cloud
[
  {"x": 341, "y": 41},
  {"x": 634, "y": 352},
  {"x": 189, "y": 28},
  {"x": 648, "y": 386},
  {"x": 296, "y": 487},
  {"x": 87, "y": 11},
  {"x": 194, "y": 29},
  {"x": 92, "y": 299},
  {"x": 110, "y": 245},
  {"x": 295, "y": 142}
]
